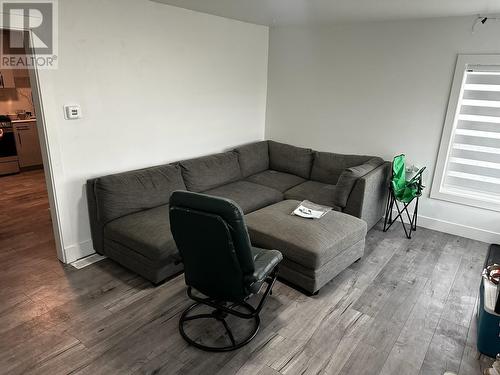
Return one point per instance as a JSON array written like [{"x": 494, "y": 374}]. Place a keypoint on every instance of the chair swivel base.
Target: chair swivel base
[
  {"x": 218, "y": 315},
  {"x": 221, "y": 310}
]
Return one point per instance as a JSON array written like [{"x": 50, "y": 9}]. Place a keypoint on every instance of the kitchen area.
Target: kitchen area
[{"x": 19, "y": 143}]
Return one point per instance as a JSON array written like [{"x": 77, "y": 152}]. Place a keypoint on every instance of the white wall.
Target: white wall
[
  {"x": 156, "y": 84},
  {"x": 378, "y": 88}
]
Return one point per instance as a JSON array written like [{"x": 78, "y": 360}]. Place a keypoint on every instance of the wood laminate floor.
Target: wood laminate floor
[{"x": 406, "y": 308}]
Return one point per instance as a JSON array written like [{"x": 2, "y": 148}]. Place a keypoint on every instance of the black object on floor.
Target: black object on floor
[
  {"x": 488, "y": 316},
  {"x": 220, "y": 313},
  {"x": 220, "y": 263},
  {"x": 493, "y": 257}
]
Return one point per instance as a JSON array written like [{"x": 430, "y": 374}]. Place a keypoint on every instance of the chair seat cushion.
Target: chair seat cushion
[
  {"x": 277, "y": 180},
  {"x": 146, "y": 232},
  {"x": 314, "y": 191},
  {"x": 310, "y": 243},
  {"x": 247, "y": 195}
]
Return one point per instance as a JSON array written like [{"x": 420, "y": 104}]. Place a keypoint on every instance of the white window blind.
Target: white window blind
[{"x": 471, "y": 168}]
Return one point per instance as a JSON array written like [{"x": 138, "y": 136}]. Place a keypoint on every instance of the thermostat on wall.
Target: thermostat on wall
[{"x": 72, "y": 112}]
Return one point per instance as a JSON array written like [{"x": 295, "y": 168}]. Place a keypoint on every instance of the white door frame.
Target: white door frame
[{"x": 47, "y": 152}]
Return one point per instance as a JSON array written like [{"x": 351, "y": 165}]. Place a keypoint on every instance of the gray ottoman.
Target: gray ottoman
[{"x": 315, "y": 251}]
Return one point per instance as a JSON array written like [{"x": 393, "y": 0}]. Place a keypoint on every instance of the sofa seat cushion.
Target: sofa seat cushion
[
  {"x": 276, "y": 180},
  {"x": 146, "y": 232},
  {"x": 290, "y": 159},
  {"x": 310, "y": 243},
  {"x": 155, "y": 271},
  {"x": 209, "y": 172},
  {"x": 314, "y": 191},
  {"x": 253, "y": 158},
  {"x": 247, "y": 195}
]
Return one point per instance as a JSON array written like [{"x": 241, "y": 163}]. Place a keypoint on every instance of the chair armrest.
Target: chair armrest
[
  {"x": 265, "y": 261},
  {"x": 368, "y": 197}
]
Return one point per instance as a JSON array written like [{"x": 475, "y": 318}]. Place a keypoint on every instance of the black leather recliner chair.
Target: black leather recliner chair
[{"x": 220, "y": 263}]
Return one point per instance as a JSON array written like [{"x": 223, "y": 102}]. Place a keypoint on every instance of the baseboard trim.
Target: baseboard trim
[
  {"x": 456, "y": 229},
  {"x": 87, "y": 261},
  {"x": 78, "y": 251}
]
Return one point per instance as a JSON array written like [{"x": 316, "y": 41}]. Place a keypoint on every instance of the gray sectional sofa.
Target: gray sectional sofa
[{"x": 129, "y": 213}]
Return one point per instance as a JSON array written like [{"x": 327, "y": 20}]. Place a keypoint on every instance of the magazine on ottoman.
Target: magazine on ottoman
[{"x": 310, "y": 210}]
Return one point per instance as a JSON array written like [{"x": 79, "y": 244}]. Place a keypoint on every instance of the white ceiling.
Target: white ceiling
[{"x": 286, "y": 12}]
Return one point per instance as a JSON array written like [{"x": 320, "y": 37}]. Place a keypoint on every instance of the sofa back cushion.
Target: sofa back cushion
[
  {"x": 328, "y": 166},
  {"x": 348, "y": 178},
  {"x": 211, "y": 171},
  {"x": 253, "y": 158},
  {"x": 290, "y": 159},
  {"x": 121, "y": 194}
]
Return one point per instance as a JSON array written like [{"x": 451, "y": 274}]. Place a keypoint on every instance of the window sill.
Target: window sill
[{"x": 466, "y": 198}]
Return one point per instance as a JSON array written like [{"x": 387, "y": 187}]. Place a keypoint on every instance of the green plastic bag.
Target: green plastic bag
[{"x": 404, "y": 190}]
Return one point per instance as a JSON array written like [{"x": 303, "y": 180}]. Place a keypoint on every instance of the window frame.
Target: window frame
[{"x": 437, "y": 190}]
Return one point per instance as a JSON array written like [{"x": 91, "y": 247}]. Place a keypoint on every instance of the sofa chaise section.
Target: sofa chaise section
[
  {"x": 129, "y": 219},
  {"x": 314, "y": 251}
]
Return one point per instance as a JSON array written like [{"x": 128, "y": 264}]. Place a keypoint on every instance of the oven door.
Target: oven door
[
  {"x": 8, "y": 155},
  {"x": 7, "y": 143}
]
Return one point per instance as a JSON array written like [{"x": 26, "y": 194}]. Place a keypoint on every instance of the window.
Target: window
[{"x": 468, "y": 166}]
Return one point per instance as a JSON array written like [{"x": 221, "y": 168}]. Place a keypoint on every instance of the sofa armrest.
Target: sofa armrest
[{"x": 368, "y": 197}]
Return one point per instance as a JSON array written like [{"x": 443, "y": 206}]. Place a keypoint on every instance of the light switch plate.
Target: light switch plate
[{"x": 72, "y": 112}]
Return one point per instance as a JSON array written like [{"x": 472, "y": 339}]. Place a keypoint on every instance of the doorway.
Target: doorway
[{"x": 29, "y": 223}]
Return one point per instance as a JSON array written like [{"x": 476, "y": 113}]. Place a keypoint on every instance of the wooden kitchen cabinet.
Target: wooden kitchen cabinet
[{"x": 27, "y": 144}]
